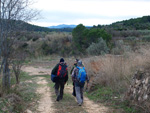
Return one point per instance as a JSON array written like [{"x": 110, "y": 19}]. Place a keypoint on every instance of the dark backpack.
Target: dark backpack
[
  {"x": 53, "y": 78},
  {"x": 62, "y": 71},
  {"x": 81, "y": 74}
]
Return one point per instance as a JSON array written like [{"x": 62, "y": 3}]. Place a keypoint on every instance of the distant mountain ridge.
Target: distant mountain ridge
[
  {"x": 133, "y": 23},
  {"x": 62, "y": 26}
]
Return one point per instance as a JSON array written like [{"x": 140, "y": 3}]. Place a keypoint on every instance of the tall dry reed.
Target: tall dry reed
[{"x": 116, "y": 71}]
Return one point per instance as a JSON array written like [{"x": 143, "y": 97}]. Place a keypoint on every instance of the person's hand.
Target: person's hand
[{"x": 87, "y": 85}]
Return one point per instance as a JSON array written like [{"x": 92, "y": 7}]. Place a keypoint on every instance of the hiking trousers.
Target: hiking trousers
[
  {"x": 74, "y": 92},
  {"x": 59, "y": 85},
  {"x": 79, "y": 94}
]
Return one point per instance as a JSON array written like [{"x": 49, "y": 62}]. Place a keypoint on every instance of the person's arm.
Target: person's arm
[
  {"x": 66, "y": 78},
  {"x": 54, "y": 71},
  {"x": 73, "y": 74},
  {"x": 71, "y": 70},
  {"x": 87, "y": 78}
]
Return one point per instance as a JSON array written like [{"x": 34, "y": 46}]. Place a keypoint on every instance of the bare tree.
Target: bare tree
[
  {"x": 12, "y": 14},
  {"x": 18, "y": 58}
]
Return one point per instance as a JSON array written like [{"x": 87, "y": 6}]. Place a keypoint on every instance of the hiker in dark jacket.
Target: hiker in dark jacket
[
  {"x": 61, "y": 72},
  {"x": 75, "y": 65},
  {"x": 79, "y": 85}
]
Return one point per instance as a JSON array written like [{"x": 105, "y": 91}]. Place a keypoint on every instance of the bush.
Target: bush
[
  {"x": 98, "y": 48},
  {"x": 83, "y": 37},
  {"x": 34, "y": 39},
  {"x": 120, "y": 48},
  {"x": 131, "y": 38},
  {"x": 24, "y": 45},
  {"x": 146, "y": 38},
  {"x": 46, "y": 49}
]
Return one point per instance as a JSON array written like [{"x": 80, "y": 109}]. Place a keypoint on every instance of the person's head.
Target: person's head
[
  {"x": 76, "y": 61},
  {"x": 79, "y": 63},
  {"x": 62, "y": 60}
]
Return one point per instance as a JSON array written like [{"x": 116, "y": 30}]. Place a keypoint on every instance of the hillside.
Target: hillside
[
  {"x": 30, "y": 27},
  {"x": 24, "y": 26},
  {"x": 60, "y": 28},
  {"x": 21, "y": 25},
  {"x": 137, "y": 23},
  {"x": 141, "y": 23}
]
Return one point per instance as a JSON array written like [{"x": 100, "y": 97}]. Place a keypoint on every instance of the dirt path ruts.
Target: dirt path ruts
[
  {"x": 89, "y": 105},
  {"x": 46, "y": 104}
]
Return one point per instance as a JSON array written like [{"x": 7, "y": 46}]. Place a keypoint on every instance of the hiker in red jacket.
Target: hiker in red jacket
[{"x": 61, "y": 73}]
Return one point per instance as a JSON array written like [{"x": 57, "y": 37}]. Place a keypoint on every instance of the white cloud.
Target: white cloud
[{"x": 90, "y": 12}]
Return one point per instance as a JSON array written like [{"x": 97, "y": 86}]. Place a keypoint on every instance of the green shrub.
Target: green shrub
[
  {"x": 110, "y": 97},
  {"x": 131, "y": 38},
  {"x": 23, "y": 38},
  {"x": 120, "y": 48},
  {"x": 83, "y": 37},
  {"x": 24, "y": 45},
  {"x": 46, "y": 48},
  {"x": 78, "y": 34},
  {"x": 98, "y": 48},
  {"x": 146, "y": 38},
  {"x": 34, "y": 39}
]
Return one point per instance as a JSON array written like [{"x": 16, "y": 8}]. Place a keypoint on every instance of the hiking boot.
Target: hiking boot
[
  {"x": 73, "y": 94},
  {"x": 79, "y": 104},
  {"x": 58, "y": 98}
]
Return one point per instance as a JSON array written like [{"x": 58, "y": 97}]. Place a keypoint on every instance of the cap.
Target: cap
[
  {"x": 79, "y": 63},
  {"x": 61, "y": 60}
]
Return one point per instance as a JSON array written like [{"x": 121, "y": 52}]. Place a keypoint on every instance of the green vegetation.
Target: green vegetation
[
  {"x": 83, "y": 37},
  {"x": 43, "y": 43},
  {"x": 78, "y": 36},
  {"x": 67, "y": 104},
  {"x": 146, "y": 38},
  {"x": 110, "y": 98},
  {"x": 119, "y": 38},
  {"x": 20, "y": 97},
  {"x": 142, "y": 23},
  {"x": 99, "y": 48}
]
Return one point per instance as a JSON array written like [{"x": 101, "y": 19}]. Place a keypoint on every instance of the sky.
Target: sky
[{"x": 88, "y": 12}]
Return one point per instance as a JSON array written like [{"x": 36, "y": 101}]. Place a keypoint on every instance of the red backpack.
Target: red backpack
[{"x": 62, "y": 70}]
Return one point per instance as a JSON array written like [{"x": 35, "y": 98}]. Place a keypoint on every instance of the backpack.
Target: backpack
[
  {"x": 53, "y": 77},
  {"x": 62, "y": 71},
  {"x": 81, "y": 74}
]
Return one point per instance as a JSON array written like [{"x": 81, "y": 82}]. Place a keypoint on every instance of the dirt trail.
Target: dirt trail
[
  {"x": 89, "y": 105},
  {"x": 46, "y": 104},
  {"x": 36, "y": 70}
]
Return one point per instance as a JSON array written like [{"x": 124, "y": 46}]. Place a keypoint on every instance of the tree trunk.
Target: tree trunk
[
  {"x": 17, "y": 79},
  {"x": 17, "y": 76},
  {"x": 6, "y": 75}
]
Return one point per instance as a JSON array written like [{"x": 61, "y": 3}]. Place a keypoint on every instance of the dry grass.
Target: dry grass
[
  {"x": 116, "y": 71},
  {"x": 58, "y": 36}
]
